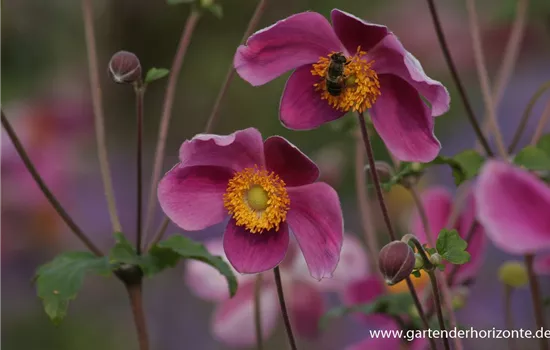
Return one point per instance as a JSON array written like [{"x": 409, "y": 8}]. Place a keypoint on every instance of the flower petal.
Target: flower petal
[
  {"x": 239, "y": 150},
  {"x": 205, "y": 281},
  {"x": 404, "y": 122},
  {"x": 192, "y": 197},
  {"x": 365, "y": 291},
  {"x": 233, "y": 320},
  {"x": 306, "y": 306},
  {"x": 512, "y": 206},
  {"x": 315, "y": 218},
  {"x": 290, "y": 43},
  {"x": 354, "y": 32},
  {"x": 254, "y": 252},
  {"x": 301, "y": 106},
  {"x": 287, "y": 161},
  {"x": 437, "y": 202},
  {"x": 542, "y": 264},
  {"x": 390, "y": 57}
]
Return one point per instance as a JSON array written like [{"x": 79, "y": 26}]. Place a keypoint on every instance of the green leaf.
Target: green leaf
[
  {"x": 416, "y": 273},
  {"x": 177, "y": 2},
  {"x": 470, "y": 161},
  {"x": 389, "y": 304},
  {"x": 533, "y": 158},
  {"x": 59, "y": 281},
  {"x": 156, "y": 74},
  {"x": 123, "y": 252},
  {"x": 405, "y": 170},
  {"x": 544, "y": 144},
  {"x": 452, "y": 247},
  {"x": 216, "y": 10},
  {"x": 167, "y": 253}
]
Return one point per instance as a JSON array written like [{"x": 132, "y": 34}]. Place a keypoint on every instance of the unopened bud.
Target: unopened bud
[
  {"x": 436, "y": 259},
  {"x": 513, "y": 274},
  {"x": 125, "y": 68},
  {"x": 418, "y": 261},
  {"x": 460, "y": 296},
  {"x": 396, "y": 261}
]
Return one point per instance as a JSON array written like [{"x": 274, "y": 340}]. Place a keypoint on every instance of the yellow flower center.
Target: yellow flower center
[
  {"x": 359, "y": 85},
  {"x": 401, "y": 287},
  {"x": 257, "y": 199}
]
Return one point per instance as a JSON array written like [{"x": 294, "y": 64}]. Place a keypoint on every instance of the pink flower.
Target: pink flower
[
  {"x": 379, "y": 75},
  {"x": 265, "y": 188},
  {"x": 512, "y": 205},
  {"x": 303, "y": 294},
  {"x": 438, "y": 204}
]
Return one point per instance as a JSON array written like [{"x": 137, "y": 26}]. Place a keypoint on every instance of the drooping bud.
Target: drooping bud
[
  {"x": 459, "y": 297},
  {"x": 513, "y": 274},
  {"x": 396, "y": 261},
  {"x": 125, "y": 68}
]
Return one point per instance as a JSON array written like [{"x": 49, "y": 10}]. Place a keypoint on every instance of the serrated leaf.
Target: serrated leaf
[
  {"x": 177, "y": 2},
  {"x": 533, "y": 158},
  {"x": 452, "y": 247},
  {"x": 155, "y": 74},
  {"x": 168, "y": 252},
  {"x": 544, "y": 144},
  {"x": 59, "y": 281},
  {"x": 123, "y": 251},
  {"x": 459, "y": 175},
  {"x": 470, "y": 161},
  {"x": 389, "y": 304}
]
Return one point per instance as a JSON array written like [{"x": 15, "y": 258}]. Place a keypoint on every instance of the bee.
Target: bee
[{"x": 335, "y": 79}]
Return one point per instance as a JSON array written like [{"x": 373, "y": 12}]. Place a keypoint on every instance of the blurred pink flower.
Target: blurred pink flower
[
  {"x": 233, "y": 319},
  {"x": 512, "y": 205},
  {"x": 438, "y": 204},
  {"x": 261, "y": 186},
  {"x": 380, "y": 75}
]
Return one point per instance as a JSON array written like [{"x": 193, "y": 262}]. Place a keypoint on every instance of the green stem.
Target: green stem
[
  {"x": 284, "y": 311},
  {"x": 438, "y": 307},
  {"x": 538, "y": 307},
  {"x": 140, "y": 91},
  {"x": 136, "y": 301}
]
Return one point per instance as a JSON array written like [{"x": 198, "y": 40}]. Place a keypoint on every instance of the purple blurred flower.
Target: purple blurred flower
[
  {"x": 303, "y": 294},
  {"x": 261, "y": 186},
  {"x": 438, "y": 204},
  {"x": 381, "y": 76},
  {"x": 512, "y": 205}
]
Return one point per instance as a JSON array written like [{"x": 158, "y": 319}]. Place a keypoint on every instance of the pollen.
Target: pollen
[
  {"x": 257, "y": 199},
  {"x": 361, "y": 85}
]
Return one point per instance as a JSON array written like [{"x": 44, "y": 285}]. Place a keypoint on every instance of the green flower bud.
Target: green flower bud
[{"x": 513, "y": 274}]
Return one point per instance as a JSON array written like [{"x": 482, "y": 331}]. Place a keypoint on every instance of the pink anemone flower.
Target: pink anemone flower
[
  {"x": 303, "y": 294},
  {"x": 266, "y": 189},
  {"x": 512, "y": 205},
  {"x": 438, "y": 204},
  {"x": 378, "y": 74}
]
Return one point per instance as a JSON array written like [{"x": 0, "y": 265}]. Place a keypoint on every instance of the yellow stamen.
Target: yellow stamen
[
  {"x": 257, "y": 199},
  {"x": 361, "y": 88}
]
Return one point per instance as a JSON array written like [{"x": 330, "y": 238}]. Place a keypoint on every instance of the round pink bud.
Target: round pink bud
[
  {"x": 396, "y": 261},
  {"x": 124, "y": 68}
]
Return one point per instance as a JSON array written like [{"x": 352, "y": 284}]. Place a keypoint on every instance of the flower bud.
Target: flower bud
[
  {"x": 125, "y": 68},
  {"x": 436, "y": 259},
  {"x": 396, "y": 261},
  {"x": 459, "y": 297},
  {"x": 513, "y": 274},
  {"x": 418, "y": 261}
]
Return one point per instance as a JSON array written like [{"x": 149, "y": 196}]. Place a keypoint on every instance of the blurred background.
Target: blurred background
[{"x": 45, "y": 94}]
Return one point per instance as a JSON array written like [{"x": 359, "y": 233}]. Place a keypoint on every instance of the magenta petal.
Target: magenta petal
[
  {"x": 239, "y": 150},
  {"x": 542, "y": 264},
  {"x": 437, "y": 202},
  {"x": 287, "y": 161},
  {"x": 254, "y": 252},
  {"x": 404, "y": 122},
  {"x": 290, "y": 43},
  {"x": 354, "y": 32},
  {"x": 301, "y": 106},
  {"x": 192, "y": 197},
  {"x": 390, "y": 57},
  {"x": 233, "y": 320},
  {"x": 512, "y": 206},
  {"x": 315, "y": 218},
  {"x": 306, "y": 306},
  {"x": 365, "y": 291}
]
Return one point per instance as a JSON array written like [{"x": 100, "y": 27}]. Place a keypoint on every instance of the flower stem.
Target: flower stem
[
  {"x": 437, "y": 297},
  {"x": 284, "y": 311},
  {"x": 140, "y": 91},
  {"x": 252, "y": 24},
  {"x": 177, "y": 63},
  {"x": 527, "y": 115},
  {"x": 542, "y": 122},
  {"x": 363, "y": 203},
  {"x": 160, "y": 232},
  {"x": 376, "y": 182},
  {"x": 47, "y": 193},
  {"x": 484, "y": 76},
  {"x": 538, "y": 308},
  {"x": 454, "y": 73},
  {"x": 136, "y": 301},
  {"x": 509, "y": 315},
  {"x": 258, "y": 312},
  {"x": 87, "y": 13}
]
